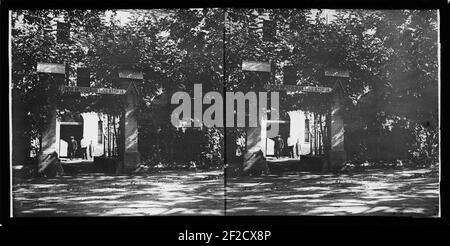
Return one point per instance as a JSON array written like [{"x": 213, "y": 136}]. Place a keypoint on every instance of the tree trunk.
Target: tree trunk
[
  {"x": 115, "y": 136},
  {"x": 310, "y": 139},
  {"x": 315, "y": 134},
  {"x": 121, "y": 144},
  {"x": 108, "y": 130},
  {"x": 321, "y": 135},
  {"x": 40, "y": 143},
  {"x": 327, "y": 144}
]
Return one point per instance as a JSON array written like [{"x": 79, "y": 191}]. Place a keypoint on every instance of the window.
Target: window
[
  {"x": 307, "y": 131},
  {"x": 63, "y": 32},
  {"x": 83, "y": 77},
  {"x": 289, "y": 75},
  {"x": 269, "y": 30}
]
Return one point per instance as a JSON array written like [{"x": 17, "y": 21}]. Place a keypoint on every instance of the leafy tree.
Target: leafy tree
[{"x": 391, "y": 56}]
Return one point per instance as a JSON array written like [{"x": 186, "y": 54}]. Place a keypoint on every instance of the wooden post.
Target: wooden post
[
  {"x": 253, "y": 156},
  {"x": 129, "y": 80},
  {"x": 54, "y": 75},
  {"x": 337, "y": 154},
  {"x": 109, "y": 134}
]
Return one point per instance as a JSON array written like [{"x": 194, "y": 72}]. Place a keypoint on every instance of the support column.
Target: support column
[
  {"x": 254, "y": 161},
  {"x": 131, "y": 155},
  {"x": 49, "y": 134},
  {"x": 253, "y": 156},
  {"x": 52, "y": 76},
  {"x": 338, "y": 155}
]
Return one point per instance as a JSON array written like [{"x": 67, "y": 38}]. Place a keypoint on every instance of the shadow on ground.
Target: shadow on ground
[
  {"x": 164, "y": 193},
  {"x": 406, "y": 192}
]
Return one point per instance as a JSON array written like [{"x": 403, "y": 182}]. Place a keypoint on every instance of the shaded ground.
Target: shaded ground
[
  {"x": 410, "y": 192},
  {"x": 284, "y": 164},
  {"x": 164, "y": 193},
  {"x": 401, "y": 192}
]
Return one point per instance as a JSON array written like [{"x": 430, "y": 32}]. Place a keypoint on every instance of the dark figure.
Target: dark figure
[
  {"x": 298, "y": 149},
  {"x": 278, "y": 146},
  {"x": 290, "y": 151},
  {"x": 73, "y": 146},
  {"x": 90, "y": 150},
  {"x": 291, "y": 144},
  {"x": 83, "y": 145}
]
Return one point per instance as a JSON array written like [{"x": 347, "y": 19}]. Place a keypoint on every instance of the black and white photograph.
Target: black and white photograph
[{"x": 225, "y": 112}]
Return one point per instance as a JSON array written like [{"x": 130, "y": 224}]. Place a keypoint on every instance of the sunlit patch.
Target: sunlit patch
[
  {"x": 326, "y": 210},
  {"x": 134, "y": 211},
  {"x": 375, "y": 192}
]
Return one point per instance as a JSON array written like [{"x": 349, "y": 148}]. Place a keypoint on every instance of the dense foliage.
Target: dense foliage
[{"x": 392, "y": 108}]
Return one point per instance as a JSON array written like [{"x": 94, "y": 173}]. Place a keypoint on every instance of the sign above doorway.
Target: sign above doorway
[
  {"x": 111, "y": 91},
  {"x": 298, "y": 88},
  {"x": 254, "y": 66}
]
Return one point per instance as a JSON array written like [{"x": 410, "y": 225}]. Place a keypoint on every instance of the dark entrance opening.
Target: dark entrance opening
[
  {"x": 68, "y": 129},
  {"x": 284, "y": 127}
]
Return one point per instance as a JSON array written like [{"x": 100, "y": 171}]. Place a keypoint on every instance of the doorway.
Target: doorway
[
  {"x": 66, "y": 130},
  {"x": 284, "y": 132}
]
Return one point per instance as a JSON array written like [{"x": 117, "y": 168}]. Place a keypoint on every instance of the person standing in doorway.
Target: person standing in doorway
[
  {"x": 90, "y": 150},
  {"x": 298, "y": 149},
  {"x": 73, "y": 146},
  {"x": 278, "y": 146},
  {"x": 291, "y": 144},
  {"x": 83, "y": 145}
]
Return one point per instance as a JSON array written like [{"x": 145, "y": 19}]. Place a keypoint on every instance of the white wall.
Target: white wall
[
  {"x": 90, "y": 132},
  {"x": 297, "y": 131}
]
